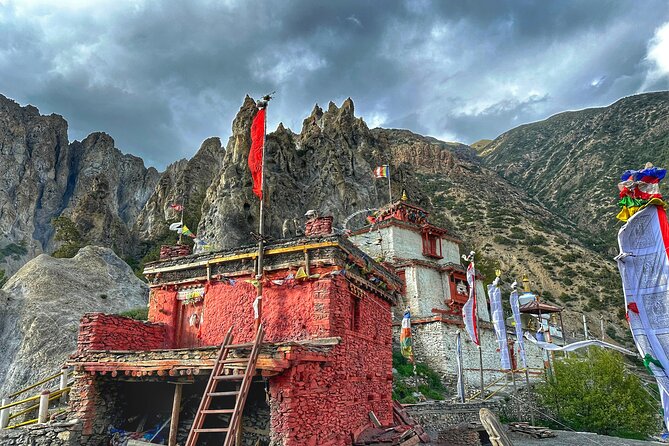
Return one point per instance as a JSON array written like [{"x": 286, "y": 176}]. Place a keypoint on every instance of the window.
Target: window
[
  {"x": 432, "y": 245},
  {"x": 355, "y": 314}
]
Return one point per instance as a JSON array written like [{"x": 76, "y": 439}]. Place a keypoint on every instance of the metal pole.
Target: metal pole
[
  {"x": 390, "y": 191},
  {"x": 261, "y": 223},
  {"x": 174, "y": 420},
  {"x": 601, "y": 325},
  {"x": 43, "y": 411},
  {"x": 564, "y": 335},
  {"x": 529, "y": 396},
  {"x": 182, "y": 220},
  {"x": 481, "y": 367}
]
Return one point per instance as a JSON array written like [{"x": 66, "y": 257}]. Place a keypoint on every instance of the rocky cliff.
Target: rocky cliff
[
  {"x": 40, "y": 308},
  {"x": 326, "y": 167},
  {"x": 43, "y": 176},
  {"x": 184, "y": 182}
]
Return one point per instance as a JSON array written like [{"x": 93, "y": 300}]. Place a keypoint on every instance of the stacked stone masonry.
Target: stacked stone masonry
[
  {"x": 318, "y": 227},
  {"x": 99, "y": 331},
  {"x": 173, "y": 251}
]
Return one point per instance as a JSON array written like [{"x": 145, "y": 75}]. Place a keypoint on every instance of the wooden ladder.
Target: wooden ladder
[{"x": 217, "y": 375}]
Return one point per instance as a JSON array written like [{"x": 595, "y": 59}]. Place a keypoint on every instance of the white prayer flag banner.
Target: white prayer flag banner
[
  {"x": 469, "y": 309},
  {"x": 644, "y": 268},
  {"x": 576, "y": 345},
  {"x": 515, "y": 309},
  {"x": 495, "y": 296}
]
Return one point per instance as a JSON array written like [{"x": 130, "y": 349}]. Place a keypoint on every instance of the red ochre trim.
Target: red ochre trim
[{"x": 664, "y": 227}]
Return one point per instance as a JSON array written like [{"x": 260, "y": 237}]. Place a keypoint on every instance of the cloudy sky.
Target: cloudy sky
[{"x": 161, "y": 76}]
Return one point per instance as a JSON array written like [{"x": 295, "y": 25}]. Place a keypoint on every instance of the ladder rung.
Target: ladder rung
[
  {"x": 233, "y": 360},
  {"x": 213, "y": 429},
  {"x": 244, "y": 345},
  {"x": 227, "y": 377},
  {"x": 229, "y": 393},
  {"x": 217, "y": 411}
]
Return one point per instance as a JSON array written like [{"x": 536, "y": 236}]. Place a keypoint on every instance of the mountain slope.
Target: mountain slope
[{"x": 572, "y": 161}]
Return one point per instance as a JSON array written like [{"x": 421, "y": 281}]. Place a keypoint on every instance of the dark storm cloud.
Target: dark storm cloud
[{"x": 162, "y": 76}]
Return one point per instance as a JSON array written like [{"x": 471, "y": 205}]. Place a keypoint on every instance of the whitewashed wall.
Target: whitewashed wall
[
  {"x": 450, "y": 251},
  {"x": 482, "y": 302},
  {"x": 435, "y": 345}
]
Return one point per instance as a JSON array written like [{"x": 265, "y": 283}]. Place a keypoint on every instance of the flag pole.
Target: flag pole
[
  {"x": 182, "y": 219},
  {"x": 390, "y": 191},
  {"x": 262, "y": 104}
]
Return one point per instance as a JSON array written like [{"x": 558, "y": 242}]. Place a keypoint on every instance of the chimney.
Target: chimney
[
  {"x": 318, "y": 226},
  {"x": 172, "y": 251}
]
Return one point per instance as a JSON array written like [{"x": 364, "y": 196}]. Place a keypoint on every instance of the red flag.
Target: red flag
[
  {"x": 177, "y": 207},
  {"x": 255, "y": 155}
]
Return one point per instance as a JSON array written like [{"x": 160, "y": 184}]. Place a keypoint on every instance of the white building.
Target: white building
[{"x": 428, "y": 259}]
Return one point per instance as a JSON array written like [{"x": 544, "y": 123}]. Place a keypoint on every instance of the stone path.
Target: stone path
[{"x": 565, "y": 438}]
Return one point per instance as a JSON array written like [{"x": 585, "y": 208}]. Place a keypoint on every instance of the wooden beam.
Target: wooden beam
[{"x": 174, "y": 421}]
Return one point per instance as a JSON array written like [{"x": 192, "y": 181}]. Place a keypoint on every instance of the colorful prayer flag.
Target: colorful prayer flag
[
  {"x": 643, "y": 263},
  {"x": 177, "y": 207},
  {"x": 381, "y": 171},
  {"x": 469, "y": 309},
  {"x": 185, "y": 231},
  {"x": 256, "y": 153},
  {"x": 406, "y": 344}
]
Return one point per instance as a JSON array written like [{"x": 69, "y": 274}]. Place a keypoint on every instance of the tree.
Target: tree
[
  {"x": 67, "y": 232},
  {"x": 3, "y": 277},
  {"x": 596, "y": 394}
]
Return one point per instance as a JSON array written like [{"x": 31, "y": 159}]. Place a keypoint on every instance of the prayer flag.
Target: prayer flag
[
  {"x": 458, "y": 357},
  {"x": 256, "y": 153},
  {"x": 186, "y": 231},
  {"x": 469, "y": 309},
  {"x": 644, "y": 268},
  {"x": 381, "y": 171},
  {"x": 406, "y": 344},
  {"x": 515, "y": 309},
  {"x": 176, "y": 226},
  {"x": 177, "y": 207},
  {"x": 495, "y": 296}
]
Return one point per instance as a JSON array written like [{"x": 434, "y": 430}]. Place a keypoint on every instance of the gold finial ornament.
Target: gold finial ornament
[
  {"x": 404, "y": 195},
  {"x": 498, "y": 272},
  {"x": 526, "y": 283}
]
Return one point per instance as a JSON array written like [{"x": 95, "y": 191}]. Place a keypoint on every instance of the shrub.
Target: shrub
[
  {"x": 537, "y": 250},
  {"x": 596, "y": 394},
  {"x": 139, "y": 313}
]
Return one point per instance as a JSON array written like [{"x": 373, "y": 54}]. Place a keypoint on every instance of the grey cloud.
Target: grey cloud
[{"x": 162, "y": 76}]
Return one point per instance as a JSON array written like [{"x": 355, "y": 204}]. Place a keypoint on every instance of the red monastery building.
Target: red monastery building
[{"x": 324, "y": 369}]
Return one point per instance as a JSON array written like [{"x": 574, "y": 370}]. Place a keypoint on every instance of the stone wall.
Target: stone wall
[
  {"x": 437, "y": 416},
  {"x": 434, "y": 344},
  {"x": 50, "y": 434},
  {"x": 99, "y": 331}
]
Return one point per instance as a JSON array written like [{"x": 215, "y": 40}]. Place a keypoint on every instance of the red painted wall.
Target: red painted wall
[
  {"x": 326, "y": 403},
  {"x": 313, "y": 403},
  {"x": 99, "y": 331},
  {"x": 289, "y": 313}
]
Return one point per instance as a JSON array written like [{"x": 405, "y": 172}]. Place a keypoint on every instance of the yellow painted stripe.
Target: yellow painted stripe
[{"x": 248, "y": 255}]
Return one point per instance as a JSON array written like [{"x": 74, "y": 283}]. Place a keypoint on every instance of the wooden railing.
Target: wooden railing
[{"x": 39, "y": 402}]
